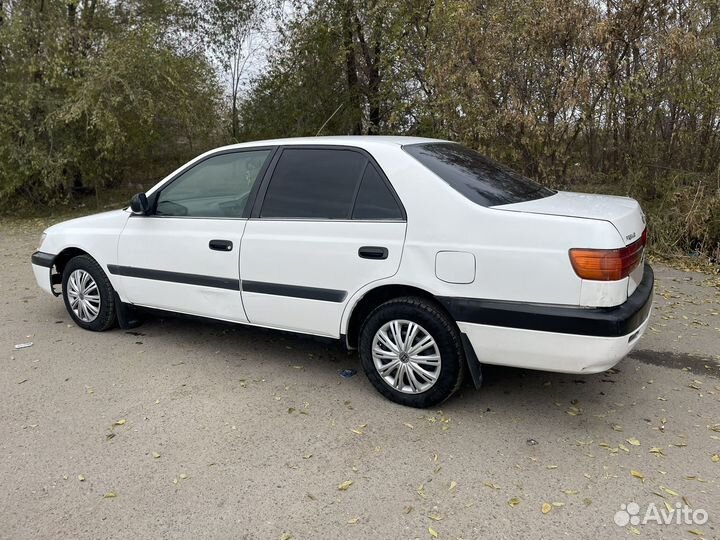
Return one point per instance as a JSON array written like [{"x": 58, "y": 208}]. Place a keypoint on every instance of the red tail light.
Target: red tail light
[{"x": 608, "y": 264}]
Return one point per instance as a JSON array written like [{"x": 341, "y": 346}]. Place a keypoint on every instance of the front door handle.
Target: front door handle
[
  {"x": 221, "y": 245},
  {"x": 373, "y": 252}
]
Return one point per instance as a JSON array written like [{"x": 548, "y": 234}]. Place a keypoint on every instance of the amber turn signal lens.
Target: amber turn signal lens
[{"x": 608, "y": 264}]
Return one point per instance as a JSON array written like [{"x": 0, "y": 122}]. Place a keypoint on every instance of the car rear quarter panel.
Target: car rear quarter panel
[{"x": 519, "y": 256}]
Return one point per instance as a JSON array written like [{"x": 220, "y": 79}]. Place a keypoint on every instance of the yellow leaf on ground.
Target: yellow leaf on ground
[
  {"x": 715, "y": 458},
  {"x": 345, "y": 485},
  {"x": 670, "y": 491},
  {"x": 546, "y": 507},
  {"x": 110, "y": 495},
  {"x": 514, "y": 502},
  {"x": 120, "y": 422},
  {"x": 491, "y": 485},
  {"x": 353, "y": 521},
  {"x": 81, "y": 477},
  {"x": 453, "y": 485},
  {"x": 637, "y": 474},
  {"x": 155, "y": 455},
  {"x": 435, "y": 517},
  {"x": 432, "y": 532},
  {"x": 633, "y": 441}
]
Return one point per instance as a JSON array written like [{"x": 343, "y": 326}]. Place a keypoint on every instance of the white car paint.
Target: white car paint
[{"x": 519, "y": 253}]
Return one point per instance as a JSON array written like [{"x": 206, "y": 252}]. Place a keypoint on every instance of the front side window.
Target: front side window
[
  {"x": 477, "y": 177},
  {"x": 216, "y": 187},
  {"x": 313, "y": 183}
]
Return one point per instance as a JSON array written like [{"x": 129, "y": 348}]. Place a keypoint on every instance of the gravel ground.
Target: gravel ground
[{"x": 191, "y": 430}]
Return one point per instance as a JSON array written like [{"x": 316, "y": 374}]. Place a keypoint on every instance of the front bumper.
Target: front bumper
[
  {"x": 567, "y": 339},
  {"x": 42, "y": 265}
]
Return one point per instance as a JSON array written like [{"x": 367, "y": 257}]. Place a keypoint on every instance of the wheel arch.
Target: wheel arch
[
  {"x": 374, "y": 297},
  {"x": 62, "y": 258}
]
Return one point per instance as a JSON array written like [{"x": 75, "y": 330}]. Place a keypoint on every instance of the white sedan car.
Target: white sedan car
[{"x": 426, "y": 256}]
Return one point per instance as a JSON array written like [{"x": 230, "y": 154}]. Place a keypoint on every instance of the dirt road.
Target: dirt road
[{"x": 192, "y": 430}]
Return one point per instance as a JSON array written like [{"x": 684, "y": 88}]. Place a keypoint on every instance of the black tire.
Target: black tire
[
  {"x": 431, "y": 317},
  {"x": 106, "y": 317}
]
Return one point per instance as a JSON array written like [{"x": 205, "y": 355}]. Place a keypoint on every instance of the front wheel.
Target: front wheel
[
  {"x": 88, "y": 294},
  {"x": 412, "y": 352}
]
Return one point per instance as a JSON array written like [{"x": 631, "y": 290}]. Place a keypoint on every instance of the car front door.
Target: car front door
[
  {"x": 184, "y": 256},
  {"x": 326, "y": 223}
]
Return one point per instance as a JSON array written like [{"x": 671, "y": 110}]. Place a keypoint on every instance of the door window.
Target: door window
[
  {"x": 216, "y": 187},
  {"x": 375, "y": 200},
  {"x": 313, "y": 184}
]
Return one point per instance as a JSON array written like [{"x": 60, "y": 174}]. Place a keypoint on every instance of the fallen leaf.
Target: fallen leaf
[
  {"x": 155, "y": 455},
  {"x": 695, "y": 532},
  {"x": 715, "y": 458},
  {"x": 435, "y": 517},
  {"x": 81, "y": 477},
  {"x": 285, "y": 536},
  {"x": 357, "y": 431},
  {"x": 408, "y": 509},
  {"x": 409, "y": 425},
  {"x": 657, "y": 451},
  {"x": 453, "y": 485},
  {"x": 353, "y": 521},
  {"x": 183, "y": 476},
  {"x": 432, "y": 532},
  {"x": 491, "y": 485},
  {"x": 616, "y": 427},
  {"x": 634, "y": 530},
  {"x": 120, "y": 422},
  {"x": 633, "y": 441},
  {"x": 546, "y": 507},
  {"x": 637, "y": 474},
  {"x": 345, "y": 485},
  {"x": 513, "y": 502},
  {"x": 569, "y": 491},
  {"x": 552, "y": 466},
  {"x": 670, "y": 491},
  {"x": 110, "y": 495}
]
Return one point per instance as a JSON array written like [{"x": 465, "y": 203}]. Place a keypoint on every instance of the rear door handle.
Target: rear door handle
[
  {"x": 373, "y": 252},
  {"x": 221, "y": 245}
]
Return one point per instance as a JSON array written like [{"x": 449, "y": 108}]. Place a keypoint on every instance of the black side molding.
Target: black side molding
[
  {"x": 175, "y": 277},
  {"x": 294, "y": 291},
  {"x": 43, "y": 259},
  {"x": 602, "y": 322}
]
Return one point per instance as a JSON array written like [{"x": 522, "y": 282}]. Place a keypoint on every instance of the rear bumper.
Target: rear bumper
[{"x": 554, "y": 338}]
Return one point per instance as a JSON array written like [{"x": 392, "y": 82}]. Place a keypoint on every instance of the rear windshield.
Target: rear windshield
[{"x": 479, "y": 178}]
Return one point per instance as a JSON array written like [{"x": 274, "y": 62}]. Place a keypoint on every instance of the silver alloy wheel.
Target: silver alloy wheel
[
  {"x": 406, "y": 356},
  {"x": 83, "y": 295}
]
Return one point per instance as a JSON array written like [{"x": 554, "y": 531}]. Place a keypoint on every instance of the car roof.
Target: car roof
[{"x": 360, "y": 141}]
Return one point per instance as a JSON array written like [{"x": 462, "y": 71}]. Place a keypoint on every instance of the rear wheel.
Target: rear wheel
[
  {"x": 412, "y": 352},
  {"x": 88, "y": 294}
]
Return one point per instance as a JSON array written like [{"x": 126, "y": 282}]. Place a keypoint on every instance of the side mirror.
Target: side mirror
[{"x": 139, "y": 204}]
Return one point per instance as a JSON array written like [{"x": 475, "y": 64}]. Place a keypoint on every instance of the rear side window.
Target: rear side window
[
  {"x": 374, "y": 199},
  {"x": 314, "y": 184},
  {"x": 477, "y": 177}
]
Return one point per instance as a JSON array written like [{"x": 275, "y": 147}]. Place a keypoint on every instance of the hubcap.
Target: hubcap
[
  {"x": 406, "y": 356},
  {"x": 83, "y": 295}
]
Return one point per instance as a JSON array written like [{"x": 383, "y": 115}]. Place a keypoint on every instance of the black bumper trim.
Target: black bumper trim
[
  {"x": 175, "y": 277},
  {"x": 601, "y": 322},
  {"x": 43, "y": 259}
]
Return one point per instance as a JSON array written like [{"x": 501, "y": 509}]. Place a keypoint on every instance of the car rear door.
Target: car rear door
[
  {"x": 184, "y": 256},
  {"x": 326, "y": 223}
]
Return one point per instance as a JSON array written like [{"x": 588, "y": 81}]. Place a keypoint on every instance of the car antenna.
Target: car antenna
[{"x": 330, "y": 118}]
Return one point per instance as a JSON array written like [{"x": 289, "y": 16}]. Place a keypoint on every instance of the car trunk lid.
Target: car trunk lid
[{"x": 624, "y": 213}]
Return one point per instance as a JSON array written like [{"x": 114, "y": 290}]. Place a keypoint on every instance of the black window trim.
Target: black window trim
[
  {"x": 273, "y": 150},
  {"x": 265, "y": 182}
]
